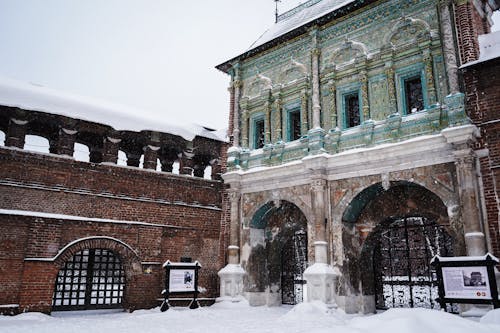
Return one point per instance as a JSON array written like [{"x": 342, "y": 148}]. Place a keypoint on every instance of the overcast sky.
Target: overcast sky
[{"x": 155, "y": 55}]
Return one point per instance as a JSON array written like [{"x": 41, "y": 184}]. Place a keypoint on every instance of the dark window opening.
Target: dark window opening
[
  {"x": 414, "y": 95},
  {"x": 294, "y": 125},
  {"x": 351, "y": 102},
  {"x": 259, "y": 133}
]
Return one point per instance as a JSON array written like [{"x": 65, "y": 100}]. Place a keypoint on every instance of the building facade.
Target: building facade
[
  {"x": 353, "y": 158},
  {"x": 91, "y": 234}
]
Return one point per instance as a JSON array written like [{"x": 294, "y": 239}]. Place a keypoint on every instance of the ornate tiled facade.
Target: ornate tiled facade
[{"x": 340, "y": 106}]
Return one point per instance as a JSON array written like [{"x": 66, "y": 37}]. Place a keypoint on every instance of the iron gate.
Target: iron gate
[
  {"x": 92, "y": 279},
  {"x": 293, "y": 265},
  {"x": 402, "y": 255}
]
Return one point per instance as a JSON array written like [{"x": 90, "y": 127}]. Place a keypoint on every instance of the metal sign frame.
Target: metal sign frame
[
  {"x": 183, "y": 270},
  {"x": 487, "y": 262}
]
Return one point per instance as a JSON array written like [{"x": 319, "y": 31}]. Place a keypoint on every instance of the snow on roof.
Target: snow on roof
[
  {"x": 489, "y": 48},
  {"x": 29, "y": 96},
  {"x": 299, "y": 16}
]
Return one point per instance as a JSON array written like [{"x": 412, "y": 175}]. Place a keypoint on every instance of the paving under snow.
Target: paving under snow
[{"x": 239, "y": 317}]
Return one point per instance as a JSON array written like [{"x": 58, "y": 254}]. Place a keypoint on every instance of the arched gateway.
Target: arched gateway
[
  {"x": 278, "y": 254},
  {"x": 390, "y": 235},
  {"x": 93, "y": 274},
  {"x": 91, "y": 279}
]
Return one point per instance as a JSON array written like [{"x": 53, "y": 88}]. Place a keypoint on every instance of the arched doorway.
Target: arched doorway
[
  {"x": 278, "y": 255},
  {"x": 403, "y": 249},
  {"x": 90, "y": 279},
  {"x": 390, "y": 233}
]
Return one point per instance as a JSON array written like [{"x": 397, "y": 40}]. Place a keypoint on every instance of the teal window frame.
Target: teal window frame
[
  {"x": 288, "y": 109},
  {"x": 255, "y": 120},
  {"x": 345, "y": 110},
  {"x": 404, "y": 75},
  {"x": 290, "y": 124}
]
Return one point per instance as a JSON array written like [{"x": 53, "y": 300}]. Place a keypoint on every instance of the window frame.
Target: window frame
[
  {"x": 403, "y": 75},
  {"x": 256, "y": 119},
  {"x": 289, "y": 123},
  {"x": 345, "y": 109}
]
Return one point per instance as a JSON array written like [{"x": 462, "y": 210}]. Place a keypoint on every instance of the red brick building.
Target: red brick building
[
  {"x": 94, "y": 234},
  {"x": 482, "y": 85}
]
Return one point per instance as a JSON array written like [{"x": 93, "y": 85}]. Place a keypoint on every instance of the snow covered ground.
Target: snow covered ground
[{"x": 239, "y": 317}]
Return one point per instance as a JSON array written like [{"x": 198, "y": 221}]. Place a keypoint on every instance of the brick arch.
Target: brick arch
[{"x": 129, "y": 258}]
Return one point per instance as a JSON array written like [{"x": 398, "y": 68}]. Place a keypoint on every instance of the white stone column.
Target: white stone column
[
  {"x": 236, "y": 116},
  {"x": 316, "y": 106},
  {"x": 231, "y": 276},
  {"x": 321, "y": 277},
  {"x": 461, "y": 140}
]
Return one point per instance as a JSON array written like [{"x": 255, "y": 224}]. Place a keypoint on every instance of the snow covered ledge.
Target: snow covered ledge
[
  {"x": 231, "y": 280},
  {"x": 321, "y": 278}
]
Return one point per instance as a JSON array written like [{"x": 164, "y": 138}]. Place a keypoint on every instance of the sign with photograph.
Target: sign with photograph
[
  {"x": 467, "y": 280},
  {"x": 181, "y": 280}
]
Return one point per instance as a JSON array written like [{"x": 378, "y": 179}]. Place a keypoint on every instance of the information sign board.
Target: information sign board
[
  {"x": 181, "y": 277},
  {"x": 467, "y": 280}
]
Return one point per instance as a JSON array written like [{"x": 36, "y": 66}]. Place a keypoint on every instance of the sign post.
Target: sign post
[
  {"x": 181, "y": 278},
  {"x": 468, "y": 280}
]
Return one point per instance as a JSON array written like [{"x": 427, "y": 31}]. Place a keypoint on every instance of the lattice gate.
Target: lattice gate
[
  {"x": 293, "y": 265},
  {"x": 92, "y": 279},
  {"x": 402, "y": 255}
]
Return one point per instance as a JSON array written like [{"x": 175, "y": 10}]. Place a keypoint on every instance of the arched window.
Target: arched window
[
  {"x": 81, "y": 152},
  {"x": 36, "y": 143},
  {"x": 158, "y": 164}
]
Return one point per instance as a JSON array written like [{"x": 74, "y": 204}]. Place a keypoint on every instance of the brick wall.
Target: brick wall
[
  {"x": 470, "y": 23},
  {"x": 161, "y": 217},
  {"x": 483, "y": 107}
]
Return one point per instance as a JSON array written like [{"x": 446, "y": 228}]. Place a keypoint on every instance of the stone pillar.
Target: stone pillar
[
  {"x": 111, "y": 147},
  {"x": 364, "y": 95},
  {"x": 321, "y": 277},
  {"x": 429, "y": 76},
  {"x": 66, "y": 142},
  {"x": 267, "y": 123},
  {"x": 231, "y": 276},
  {"x": 216, "y": 169},
  {"x": 461, "y": 140},
  {"x": 333, "y": 106},
  {"x": 303, "y": 113},
  {"x": 244, "y": 128},
  {"x": 237, "y": 84},
  {"x": 316, "y": 106},
  {"x": 150, "y": 157},
  {"x": 474, "y": 235},
  {"x": 186, "y": 163},
  {"x": 389, "y": 72},
  {"x": 16, "y": 133},
  {"x": 277, "y": 119},
  {"x": 448, "y": 45}
]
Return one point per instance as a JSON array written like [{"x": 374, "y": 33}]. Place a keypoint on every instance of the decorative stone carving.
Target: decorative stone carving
[
  {"x": 407, "y": 31},
  {"x": 346, "y": 53},
  {"x": 293, "y": 71}
]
